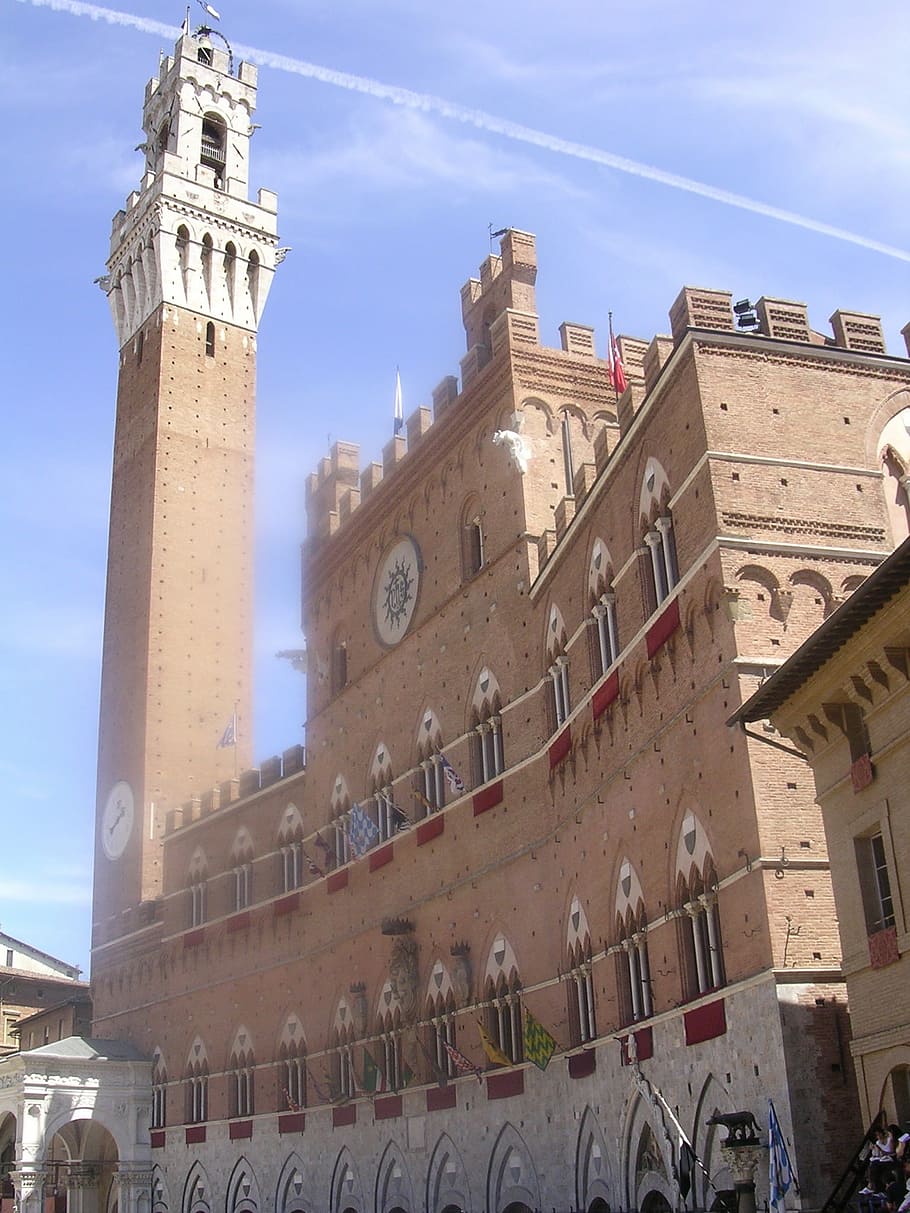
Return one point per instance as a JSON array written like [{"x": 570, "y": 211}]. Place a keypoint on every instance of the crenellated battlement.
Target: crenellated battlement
[{"x": 500, "y": 319}]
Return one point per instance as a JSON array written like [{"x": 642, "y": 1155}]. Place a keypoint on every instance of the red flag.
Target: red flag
[{"x": 617, "y": 373}]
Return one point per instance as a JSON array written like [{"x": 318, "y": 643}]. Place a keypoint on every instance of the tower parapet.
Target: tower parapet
[{"x": 189, "y": 236}]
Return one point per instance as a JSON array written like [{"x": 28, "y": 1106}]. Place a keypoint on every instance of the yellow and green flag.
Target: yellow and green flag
[
  {"x": 491, "y": 1048},
  {"x": 539, "y": 1044}
]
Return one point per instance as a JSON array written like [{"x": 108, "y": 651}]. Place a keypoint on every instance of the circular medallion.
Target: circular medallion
[
  {"x": 117, "y": 820},
  {"x": 395, "y": 593}
]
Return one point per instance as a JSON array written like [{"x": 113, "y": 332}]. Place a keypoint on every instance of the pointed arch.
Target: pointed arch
[
  {"x": 243, "y": 1189},
  {"x": 579, "y": 977},
  {"x": 593, "y": 1170},
  {"x": 393, "y": 1183},
  {"x": 512, "y": 1176},
  {"x": 291, "y": 1054},
  {"x": 487, "y": 750},
  {"x": 447, "y": 1178},
  {"x": 161, "y": 1201},
  {"x": 197, "y": 1191},
  {"x": 291, "y": 1186},
  {"x": 346, "y": 1190},
  {"x": 700, "y": 939}
]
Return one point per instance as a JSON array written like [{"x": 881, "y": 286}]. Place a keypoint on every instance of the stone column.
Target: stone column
[
  {"x": 82, "y": 1189},
  {"x": 135, "y": 1183},
  {"x": 29, "y": 1185},
  {"x": 742, "y": 1161}
]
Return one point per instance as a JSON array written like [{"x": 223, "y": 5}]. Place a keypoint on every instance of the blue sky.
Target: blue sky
[{"x": 800, "y": 107}]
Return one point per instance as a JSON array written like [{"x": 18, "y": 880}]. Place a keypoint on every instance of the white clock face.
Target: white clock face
[
  {"x": 117, "y": 820},
  {"x": 396, "y": 588}
]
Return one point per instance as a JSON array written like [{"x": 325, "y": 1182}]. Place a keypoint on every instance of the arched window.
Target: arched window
[
  {"x": 430, "y": 782},
  {"x": 633, "y": 968},
  {"x": 344, "y": 1085},
  {"x": 229, "y": 265},
  {"x": 662, "y": 551},
  {"x": 579, "y": 978},
  {"x": 241, "y": 1071},
  {"x": 558, "y": 669},
  {"x": 159, "y": 1091},
  {"x": 473, "y": 553},
  {"x": 198, "y": 889},
  {"x": 182, "y": 242},
  {"x": 503, "y": 1015},
  {"x": 441, "y": 1031},
  {"x": 389, "y": 1048},
  {"x": 340, "y": 808},
  {"x": 210, "y": 340},
  {"x": 568, "y": 461},
  {"x": 292, "y": 1063},
  {"x": 242, "y": 863},
  {"x": 252, "y": 280},
  {"x": 290, "y": 849},
  {"x": 487, "y": 754},
  {"x": 212, "y": 149},
  {"x": 206, "y": 255},
  {"x": 700, "y": 942},
  {"x": 197, "y": 1084},
  {"x": 602, "y": 596},
  {"x": 657, "y": 532}
]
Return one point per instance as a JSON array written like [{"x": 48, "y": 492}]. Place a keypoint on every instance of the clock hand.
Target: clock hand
[{"x": 116, "y": 820}]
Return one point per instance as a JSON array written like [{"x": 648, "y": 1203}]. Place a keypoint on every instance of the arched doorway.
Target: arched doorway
[
  {"x": 655, "y": 1202},
  {"x": 8, "y": 1126},
  {"x": 81, "y": 1168},
  {"x": 598, "y": 1205}
]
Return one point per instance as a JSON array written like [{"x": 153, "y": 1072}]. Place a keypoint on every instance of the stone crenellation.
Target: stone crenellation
[{"x": 498, "y": 312}]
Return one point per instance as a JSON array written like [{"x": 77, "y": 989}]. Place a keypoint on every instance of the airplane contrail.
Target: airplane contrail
[{"x": 481, "y": 120}]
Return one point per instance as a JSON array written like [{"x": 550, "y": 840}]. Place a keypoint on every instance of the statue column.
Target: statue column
[{"x": 743, "y": 1161}]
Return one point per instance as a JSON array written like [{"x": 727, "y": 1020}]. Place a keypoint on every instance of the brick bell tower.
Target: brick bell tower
[{"x": 191, "y": 263}]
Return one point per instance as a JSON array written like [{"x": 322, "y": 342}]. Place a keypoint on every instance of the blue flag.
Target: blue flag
[{"x": 780, "y": 1170}]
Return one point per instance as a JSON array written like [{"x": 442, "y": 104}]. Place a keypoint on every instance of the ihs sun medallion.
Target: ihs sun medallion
[{"x": 398, "y": 592}]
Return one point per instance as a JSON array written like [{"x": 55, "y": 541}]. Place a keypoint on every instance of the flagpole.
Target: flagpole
[{"x": 235, "y": 737}]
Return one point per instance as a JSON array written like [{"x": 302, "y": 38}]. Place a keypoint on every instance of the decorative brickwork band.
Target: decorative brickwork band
[
  {"x": 286, "y": 905},
  {"x": 506, "y": 1084},
  {"x": 381, "y": 856},
  {"x": 661, "y": 631},
  {"x": 605, "y": 695},
  {"x": 387, "y": 1109},
  {"x": 337, "y": 880},
  {"x": 432, "y": 828},
  {"x": 439, "y": 1099},
  {"x": 582, "y": 1065},
  {"x": 704, "y": 1023},
  {"x": 560, "y": 747},
  {"x": 488, "y": 798},
  {"x": 291, "y": 1122}
]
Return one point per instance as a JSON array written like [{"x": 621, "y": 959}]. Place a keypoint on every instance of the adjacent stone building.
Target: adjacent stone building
[
  {"x": 520, "y": 814},
  {"x": 844, "y": 700}
]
